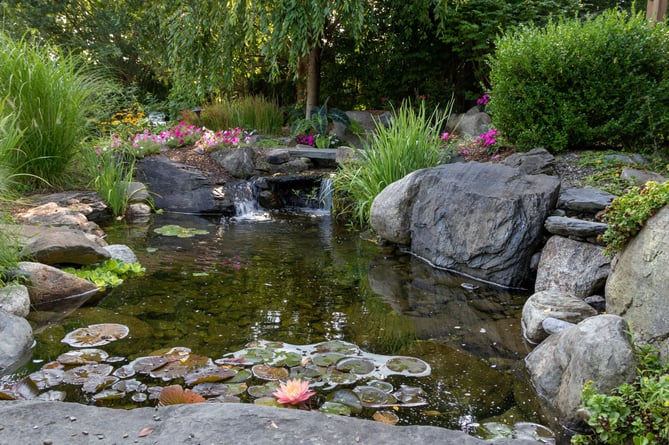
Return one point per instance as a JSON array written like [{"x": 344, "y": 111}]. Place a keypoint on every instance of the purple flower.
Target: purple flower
[{"x": 483, "y": 100}]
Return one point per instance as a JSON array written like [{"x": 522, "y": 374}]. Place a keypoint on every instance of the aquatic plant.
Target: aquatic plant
[
  {"x": 175, "y": 395},
  {"x": 293, "y": 392},
  {"x": 96, "y": 335}
]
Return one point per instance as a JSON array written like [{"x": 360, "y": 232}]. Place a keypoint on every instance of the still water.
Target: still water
[{"x": 301, "y": 278}]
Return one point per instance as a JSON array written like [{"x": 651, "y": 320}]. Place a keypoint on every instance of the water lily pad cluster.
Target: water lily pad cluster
[
  {"x": 178, "y": 231},
  {"x": 347, "y": 380}
]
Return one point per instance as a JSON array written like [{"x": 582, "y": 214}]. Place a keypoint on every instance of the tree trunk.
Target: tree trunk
[{"x": 313, "y": 79}]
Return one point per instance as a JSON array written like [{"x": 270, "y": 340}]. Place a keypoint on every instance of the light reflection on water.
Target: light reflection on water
[{"x": 303, "y": 279}]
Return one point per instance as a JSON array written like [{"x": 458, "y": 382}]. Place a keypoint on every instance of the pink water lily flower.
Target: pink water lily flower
[{"x": 293, "y": 392}]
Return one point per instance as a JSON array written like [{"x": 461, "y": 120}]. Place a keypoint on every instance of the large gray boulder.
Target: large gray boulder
[
  {"x": 481, "y": 219},
  {"x": 637, "y": 287},
  {"x": 597, "y": 349},
  {"x": 572, "y": 266},
  {"x": 37, "y": 422},
  {"x": 553, "y": 304},
  {"x": 16, "y": 339},
  {"x": 178, "y": 187},
  {"x": 240, "y": 162}
]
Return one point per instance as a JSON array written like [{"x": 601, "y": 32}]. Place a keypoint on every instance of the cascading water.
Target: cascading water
[
  {"x": 244, "y": 197},
  {"x": 325, "y": 195}
]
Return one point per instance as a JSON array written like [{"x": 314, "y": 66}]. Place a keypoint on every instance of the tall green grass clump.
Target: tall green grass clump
[
  {"x": 53, "y": 98},
  {"x": 411, "y": 142},
  {"x": 248, "y": 112},
  {"x": 576, "y": 83}
]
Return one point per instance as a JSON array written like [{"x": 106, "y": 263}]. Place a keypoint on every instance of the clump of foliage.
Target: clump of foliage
[
  {"x": 52, "y": 98},
  {"x": 628, "y": 213},
  {"x": 110, "y": 273},
  {"x": 410, "y": 142},
  {"x": 634, "y": 413},
  {"x": 254, "y": 112},
  {"x": 548, "y": 90},
  {"x": 317, "y": 124}
]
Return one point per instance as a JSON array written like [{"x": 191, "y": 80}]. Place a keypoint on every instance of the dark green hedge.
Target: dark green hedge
[{"x": 577, "y": 83}]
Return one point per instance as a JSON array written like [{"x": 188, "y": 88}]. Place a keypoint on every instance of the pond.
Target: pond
[{"x": 300, "y": 279}]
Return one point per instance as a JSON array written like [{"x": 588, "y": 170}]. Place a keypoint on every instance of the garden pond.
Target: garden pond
[{"x": 298, "y": 291}]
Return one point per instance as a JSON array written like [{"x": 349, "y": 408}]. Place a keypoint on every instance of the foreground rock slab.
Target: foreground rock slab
[{"x": 37, "y": 422}]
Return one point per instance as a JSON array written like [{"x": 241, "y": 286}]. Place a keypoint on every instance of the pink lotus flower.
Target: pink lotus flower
[{"x": 293, "y": 392}]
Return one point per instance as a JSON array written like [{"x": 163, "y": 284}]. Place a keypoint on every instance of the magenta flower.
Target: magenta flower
[
  {"x": 293, "y": 392},
  {"x": 483, "y": 100},
  {"x": 444, "y": 136}
]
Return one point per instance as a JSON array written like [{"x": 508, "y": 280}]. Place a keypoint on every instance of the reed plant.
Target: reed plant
[
  {"x": 251, "y": 112},
  {"x": 112, "y": 168},
  {"x": 412, "y": 141},
  {"x": 53, "y": 98}
]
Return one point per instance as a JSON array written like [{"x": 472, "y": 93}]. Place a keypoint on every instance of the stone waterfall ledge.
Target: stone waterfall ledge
[{"x": 36, "y": 422}]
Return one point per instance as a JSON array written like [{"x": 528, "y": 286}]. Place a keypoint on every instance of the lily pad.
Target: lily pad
[
  {"x": 335, "y": 408},
  {"x": 108, "y": 394},
  {"x": 356, "y": 365},
  {"x": 209, "y": 374},
  {"x": 411, "y": 396},
  {"x": 96, "y": 335},
  {"x": 266, "y": 372},
  {"x": 179, "y": 368},
  {"x": 130, "y": 385},
  {"x": 96, "y": 383},
  {"x": 335, "y": 378},
  {"x": 179, "y": 232},
  {"x": 144, "y": 365},
  {"x": 267, "y": 401},
  {"x": 387, "y": 417},
  {"x": 409, "y": 366},
  {"x": 342, "y": 347},
  {"x": 266, "y": 390},
  {"x": 382, "y": 385},
  {"x": 24, "y": 389},
  {"x": 211, "y": 389},
  {"x": 308, "y": 372},
  {"x": 242, "y": 376},
  {"x": 327, "y": 358},
  {"x": 175, "y": 395},
  {"x": 83, "y": 357},
  {"x": 81, "y": 374},
  {"x": 346, "y": 397},
  {"x": 46, "y": 378},
  {"x": 287, "y": 359},
  {"x": 371, "y": 397}
]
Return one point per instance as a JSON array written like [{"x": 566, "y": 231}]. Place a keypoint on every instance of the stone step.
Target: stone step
[{"x": 314, "y": 153}]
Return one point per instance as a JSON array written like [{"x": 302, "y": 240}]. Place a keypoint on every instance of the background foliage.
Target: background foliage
[{"x": 548, "y": 90}]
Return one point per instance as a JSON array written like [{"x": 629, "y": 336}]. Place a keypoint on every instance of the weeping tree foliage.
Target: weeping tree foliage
[{"x": 211, "y": 45}]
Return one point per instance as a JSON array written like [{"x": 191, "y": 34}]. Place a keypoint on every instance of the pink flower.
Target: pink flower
[
  {"x": 293, "y": 392},
  {"x": 444, "y": 136}
]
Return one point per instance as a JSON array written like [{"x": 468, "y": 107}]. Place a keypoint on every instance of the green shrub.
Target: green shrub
[
  {"x": 574, "y": 83},
  {"x": 634, "y": 413},
  {"x": 411, "y": 142},
  {"x": 628, "y": 213},
  {"x": 53, "y": 99}
]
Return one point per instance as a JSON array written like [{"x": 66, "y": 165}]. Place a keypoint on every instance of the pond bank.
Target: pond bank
[{"x": 36, "y": 422}]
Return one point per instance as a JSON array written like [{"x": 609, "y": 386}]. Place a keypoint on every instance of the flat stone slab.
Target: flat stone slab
[
  {"x": 37, "y": 422},
  {"x": 314, "y": 153}
]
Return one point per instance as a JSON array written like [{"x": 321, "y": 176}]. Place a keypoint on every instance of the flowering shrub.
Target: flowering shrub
[
  {"x": 232, "y": 137},
  {"x": 305, "y": 139},
  {"x": 483, "y": 100},
  {"x": 124, "y": 123},
  {"x": 488, "y": 139}
]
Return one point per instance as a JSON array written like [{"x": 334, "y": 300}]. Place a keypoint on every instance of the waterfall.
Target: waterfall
[
  {"x": 325, "y": 195},
  {"x": 244, "y": 198}
]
